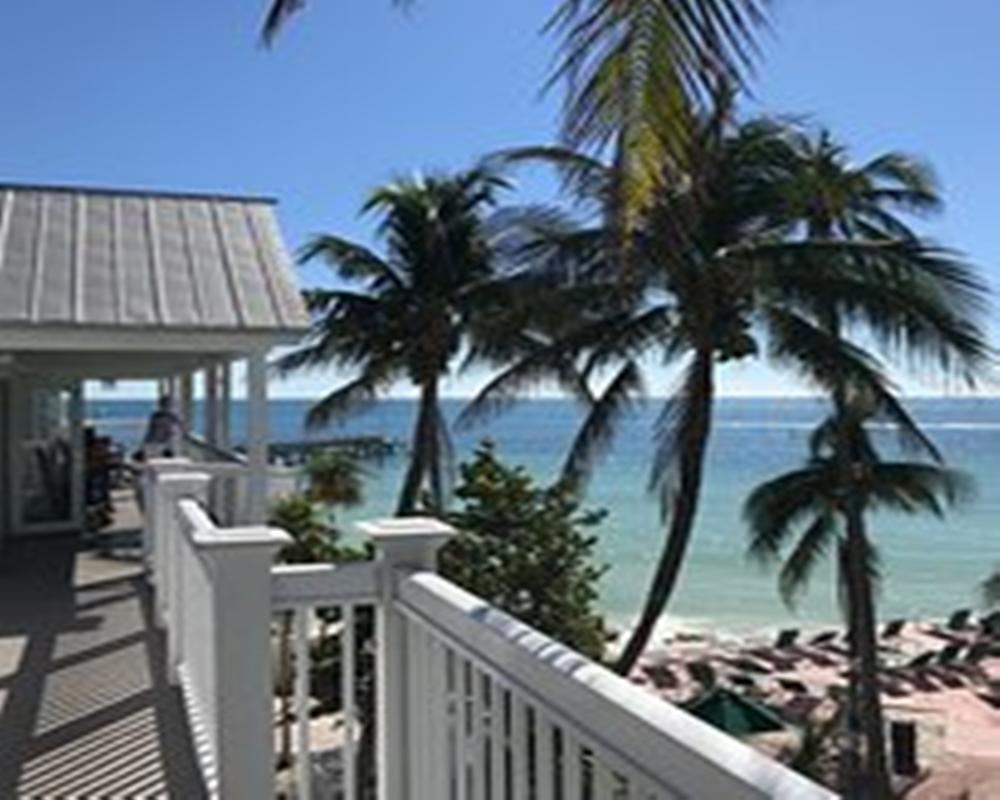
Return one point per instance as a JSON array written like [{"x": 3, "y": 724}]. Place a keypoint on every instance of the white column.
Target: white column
[
  {"x": 226, "y": 405},
  {"x": 240, "y": 562},
  {"x": 257, "y": 436},
  {"x": 401, "y": 545},
  {"x": 211, "y": 403},
  {"x": 187, "y": 399}
]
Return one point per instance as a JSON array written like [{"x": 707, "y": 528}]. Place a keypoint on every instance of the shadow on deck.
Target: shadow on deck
[{"x": 85, "y": 707}]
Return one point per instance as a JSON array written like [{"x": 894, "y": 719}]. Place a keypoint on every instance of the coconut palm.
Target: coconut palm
[
  {"x": 635, "y": 71},
  {"x": 335, "y": 479},
  {"x": 821, "y": 510},
  {"x": 408, "y": 314},
  {"x": 842, "y": 201},
  {"x": 723, "y": 269}
]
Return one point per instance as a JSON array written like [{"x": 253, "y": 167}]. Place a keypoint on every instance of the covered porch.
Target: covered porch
[
  {"x": 104, "y": 285},
  {"x": 187, "y": 293},
  {"x": 86, "y": 709}
]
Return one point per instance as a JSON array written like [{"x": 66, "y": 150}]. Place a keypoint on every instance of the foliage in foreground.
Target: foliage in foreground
[{"x": 527, "y": 550}]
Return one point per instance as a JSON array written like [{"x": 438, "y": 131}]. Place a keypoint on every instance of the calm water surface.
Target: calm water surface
[{"x": 930, "y": 566}]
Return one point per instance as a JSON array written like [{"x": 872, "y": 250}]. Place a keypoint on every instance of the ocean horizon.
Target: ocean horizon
[{"x": 930, "y": 566}]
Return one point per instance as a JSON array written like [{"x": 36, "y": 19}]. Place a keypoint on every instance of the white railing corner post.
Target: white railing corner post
[
  {"x": 241, "y": 563},
  {"x": 402, "y": 544},
  {"x": 154, "y": 513},
  {"x": 171, "y": 488}
]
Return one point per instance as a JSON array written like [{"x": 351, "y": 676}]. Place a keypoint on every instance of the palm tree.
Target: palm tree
[
  {"x": 636, "y": 73},
  {"x": 841, "y": 201},
  {"x": 335, "y": 479},
  {"x": 821, "y": 509},
  {"x": 407, "y": 315},
  {"x": 722, "y": 267}
]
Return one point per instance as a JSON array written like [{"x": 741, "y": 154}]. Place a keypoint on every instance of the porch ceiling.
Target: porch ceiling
[
  {"x": 104, "y": 267},
  {"x": 113, "y": 366}
]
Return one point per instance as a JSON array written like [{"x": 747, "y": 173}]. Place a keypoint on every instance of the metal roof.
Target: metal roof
[{"x": 135, "y": 259}]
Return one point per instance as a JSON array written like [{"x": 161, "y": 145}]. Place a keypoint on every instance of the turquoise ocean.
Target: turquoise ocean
[{"x": 930, "y": 567}]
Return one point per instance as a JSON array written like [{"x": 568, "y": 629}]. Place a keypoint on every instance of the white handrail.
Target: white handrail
[
  {"x": 320, "y": 585},
  {"x": 640, "y": 735}
]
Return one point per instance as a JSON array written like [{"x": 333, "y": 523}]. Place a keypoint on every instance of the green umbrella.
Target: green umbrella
[{"x": 733, "y": 713}]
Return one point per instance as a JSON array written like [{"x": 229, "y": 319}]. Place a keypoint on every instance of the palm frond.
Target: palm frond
[
  {"x": 775, "y": 508},
  {"x": 812, "y": 546},
  {"x": 601, "y": 422},
  {"x": 913, "y": 487},
  {"x": 637, "y": 73},
  {"x": 351, "y": 261},
  {"x": 351, "y": 398}
]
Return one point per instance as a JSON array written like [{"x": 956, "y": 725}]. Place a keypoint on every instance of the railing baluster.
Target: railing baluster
[
  {"x": 437, "y": 721},
  {"x": 303, "y": 746},
  {"x": 544, "y": 758},
  {"x": 520, "y": 748},
  {"x": 572, "y": 767},
  {"x": 477, "y": 763},
  {"x": 350, "y": 727},
  {"x": 605, "y": 783},
  {"x": 498, "y": 742},
  {"x": 463, "y": 723},
  {"x": 416, "y": 683}
]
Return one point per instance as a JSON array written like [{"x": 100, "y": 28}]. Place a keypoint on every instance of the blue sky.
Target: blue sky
[{"x": 179, "y": 95}]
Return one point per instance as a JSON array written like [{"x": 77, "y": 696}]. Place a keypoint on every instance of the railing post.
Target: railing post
[
  {"x": 172, "y": 487},
  {"x": 408, "y": 543},
  {"x": 158, "y": 513},
  {"x": 241, "y": 560}
]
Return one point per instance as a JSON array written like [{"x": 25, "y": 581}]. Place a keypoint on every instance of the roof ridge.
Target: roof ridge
[{"x": 136, "y": 192}]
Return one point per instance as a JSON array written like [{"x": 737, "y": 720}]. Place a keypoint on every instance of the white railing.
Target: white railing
[{"x": 470, "y": 704}]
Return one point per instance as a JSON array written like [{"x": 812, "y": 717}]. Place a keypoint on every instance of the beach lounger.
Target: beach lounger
[
  {"x": 959, "y": 620},
  {"x": 922, "y": 660},
  {"x": 750, "y": 665},
  {"x": 743, "y": 680},
  {"x": 793, "y": 685},
  {"x": 786, "y": 638},
  {"x": 780, "y": 662},
  {"x": 947, "y": 655},
  {"x": 704, "y": 673},
  {"x": 826, "y": 637},
  {"x": 989, "y": 626}
]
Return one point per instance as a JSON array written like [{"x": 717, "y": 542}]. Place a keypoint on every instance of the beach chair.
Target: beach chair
[
  {"x": 921, "y": 660},
  {"x": 704, "y": 673},
  {"x": 826, "y": 637},
  {"x": 947, "y": 655},
  {"x": 959, "y": 620},
  {"x": 743, "y": 680},
  {"x": 752, "y": 665},
  {"x": 793, "y": 685},
  {"x": 893, "y": 628},
  {"x": 989, "y": 626},
  {"x": 786, "y": 638}
]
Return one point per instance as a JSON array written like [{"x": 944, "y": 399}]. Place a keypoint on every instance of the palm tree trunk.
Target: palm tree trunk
[
  {"x": 700, "y": 391},
  {"x": 873, "y": 780},
  {"x": 422, "y": 448}
]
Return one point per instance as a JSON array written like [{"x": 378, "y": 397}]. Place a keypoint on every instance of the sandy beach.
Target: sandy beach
[{"x": 942, "y": 676}]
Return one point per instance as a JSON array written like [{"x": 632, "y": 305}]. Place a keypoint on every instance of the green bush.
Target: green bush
[{"x": 527, "y": 550}]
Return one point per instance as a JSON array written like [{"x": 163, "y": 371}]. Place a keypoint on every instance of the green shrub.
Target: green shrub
[{"x": 527, "y": 550}]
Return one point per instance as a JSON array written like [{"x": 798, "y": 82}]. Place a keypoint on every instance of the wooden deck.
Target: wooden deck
[{"x": 85, "y": 707}]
